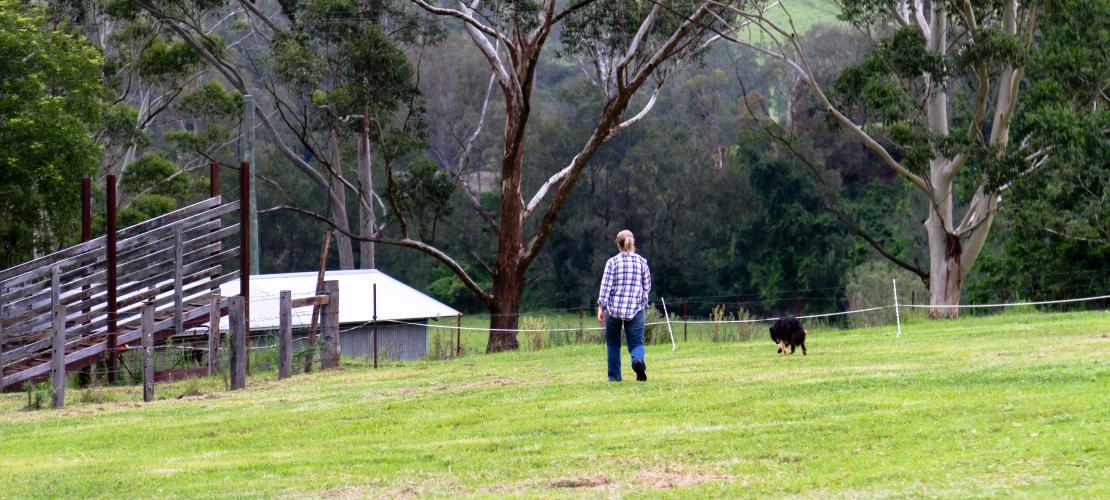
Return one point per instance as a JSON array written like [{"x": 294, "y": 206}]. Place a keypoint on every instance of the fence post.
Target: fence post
[
  {"x": 148, "y": 351},
  {"x": 178, "y": 263},
  {"x": 3, "y": 336},
  {"x": 112, "y": 275},
  {"x": 58, "y": 357},
  {"x": 685, "y": 317},
  {"x": 375, "y": 318},
  {"x": 244, "y": 239},
  {"x": 285, "y": 342},
  {"x": 238, "y": 342},
  {"x": 329, "y": 327},
  {"x": 458, "y": 335},
  {"x": 214, "y": 335},
  {"x": 213, "y": 179}
]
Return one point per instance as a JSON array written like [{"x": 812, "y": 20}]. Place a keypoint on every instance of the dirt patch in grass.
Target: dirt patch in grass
[
  {"x": 581, "y": 482},
  {"x": 656, "y": 477},
  {"x": 664, "y": 476}
]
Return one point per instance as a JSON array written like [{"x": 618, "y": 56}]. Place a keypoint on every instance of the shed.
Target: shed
[{"x": 403, "y": 312}]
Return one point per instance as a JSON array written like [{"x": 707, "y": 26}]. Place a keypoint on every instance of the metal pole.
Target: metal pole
[
  {"x": 668, "y": 322},
  {"x": 375, "y": 325},
  {"x": 112, "y": 275},
  {"x": 248, "y": 101},
  {"x": 897, "y": 317}
]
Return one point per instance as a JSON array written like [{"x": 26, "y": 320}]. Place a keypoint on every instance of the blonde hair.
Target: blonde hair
[{"x": 626, "y": 242}]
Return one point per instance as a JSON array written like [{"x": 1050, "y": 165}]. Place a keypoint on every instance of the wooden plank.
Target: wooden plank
[
  {"x": 214, "y": 335},
  {"x": 178, "y": 262},
  {"x": 19, "y": 273},
  {"x": 164, "y": 242},
  {"x": 316, "y": 309},
  {"x": 80, "y": 354},
  {"x": 329, "y": 327},
  {"x": 202, "y": 223},
  {"x": 168, "y": 218},
  {"x": 285, "y": 342},
  {"x": 148, "y": 352},
  {"x": 58, "y": 357},
  {"x": 316, "y": 300},
  {"x": 38, "y": 280},
  {"x": 238, "y": 343},
  {"x": 26, "y": 313},
  {"x": 43, "y": 342}
]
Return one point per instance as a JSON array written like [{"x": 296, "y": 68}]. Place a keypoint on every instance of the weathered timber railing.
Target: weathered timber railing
[{"x": 173, "y": 262}]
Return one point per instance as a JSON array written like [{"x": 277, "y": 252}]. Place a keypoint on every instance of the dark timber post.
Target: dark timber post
[
  {"x": 58, "y": 357},
  {"x": 375, "y": 318},
  {"x": 458, "y": 335},
  {"x": 86, "y": 235},
  {"x": 245, "y": 238},
  {"x": 238, "y": 342},
  {"x": 178, "y": 264},
  {"x": 285, "y": 343},
  {"x": 329, "y": 327},
  {"x": 213, "y": 179},
  {"x": 3, "y": 337},
  {"x": 110, "y": 247},
  {"x": 214, "y": 335},
  {"x": 148, "y": 351},
  {"x": 86, "y": 209}
]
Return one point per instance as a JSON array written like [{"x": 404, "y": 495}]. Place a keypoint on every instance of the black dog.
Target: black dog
[{"x": 788, "y": 331}]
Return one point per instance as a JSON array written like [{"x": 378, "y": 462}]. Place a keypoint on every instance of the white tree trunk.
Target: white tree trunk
[
  {"x": 366, "y": 219},
  {"x": 339, "y": 206}
]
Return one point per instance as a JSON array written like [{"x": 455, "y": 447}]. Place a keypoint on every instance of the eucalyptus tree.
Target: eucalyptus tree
[
  {"x": 630, "y": 47},
  {"x": 936, "y": 101},
  {"x": 342, "y": 63}
]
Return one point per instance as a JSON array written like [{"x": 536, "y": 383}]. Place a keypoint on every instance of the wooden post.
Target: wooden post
[
  {"x": 238, "y": 342},
  {"x": 112, "y": 276},
  {"x": 3, "y": 336},
  {"x": 213, "y": 179},
  {"x": 178, "y": 263},
  {"x": 214, "y": 335},
  {"x": 458, "y": 335},
  {"x": 86, "y": 209},
  {"x": 685, "y": 318},
  {"x": 375, "y": 318},
  {"x": 581, "y": 322},
  {"x": 58, "y": 357},
  {"x": 329, "y": 327},
  {"x": 285, "y": 343},
  {"x": 245, "y": 239},
  {"x": 148, "y": 352},
  {"x": 316, "y": 307}
]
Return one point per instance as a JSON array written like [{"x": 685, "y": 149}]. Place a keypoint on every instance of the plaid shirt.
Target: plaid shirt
[{"x": 625, "y": 285}]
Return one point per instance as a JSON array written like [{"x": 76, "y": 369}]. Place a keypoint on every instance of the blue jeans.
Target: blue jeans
[{"x": 634, "y": 329}]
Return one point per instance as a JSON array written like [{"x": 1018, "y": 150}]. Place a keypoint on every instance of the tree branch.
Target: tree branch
[{"x": 403, "y": 242}]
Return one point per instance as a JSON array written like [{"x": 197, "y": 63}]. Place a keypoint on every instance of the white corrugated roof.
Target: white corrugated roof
[{"x": 396, "y": 300}]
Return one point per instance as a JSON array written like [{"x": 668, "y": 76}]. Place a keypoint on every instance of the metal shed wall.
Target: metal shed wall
[{"x": 395, "y": 341}]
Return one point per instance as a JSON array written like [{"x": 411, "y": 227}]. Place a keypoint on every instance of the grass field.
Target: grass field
[{"x": 1015, "y": 404}]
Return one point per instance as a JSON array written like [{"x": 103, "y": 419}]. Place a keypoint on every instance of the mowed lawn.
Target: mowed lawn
[{"x": 1017, "y": 404}]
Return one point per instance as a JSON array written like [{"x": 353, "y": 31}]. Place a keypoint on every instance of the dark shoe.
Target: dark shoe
[{"x": 640, "y": 369}]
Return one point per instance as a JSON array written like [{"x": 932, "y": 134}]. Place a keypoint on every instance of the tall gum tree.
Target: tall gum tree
[
  {"x": 905, "y": 102},
  {"x": 627, "y": 46}
]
